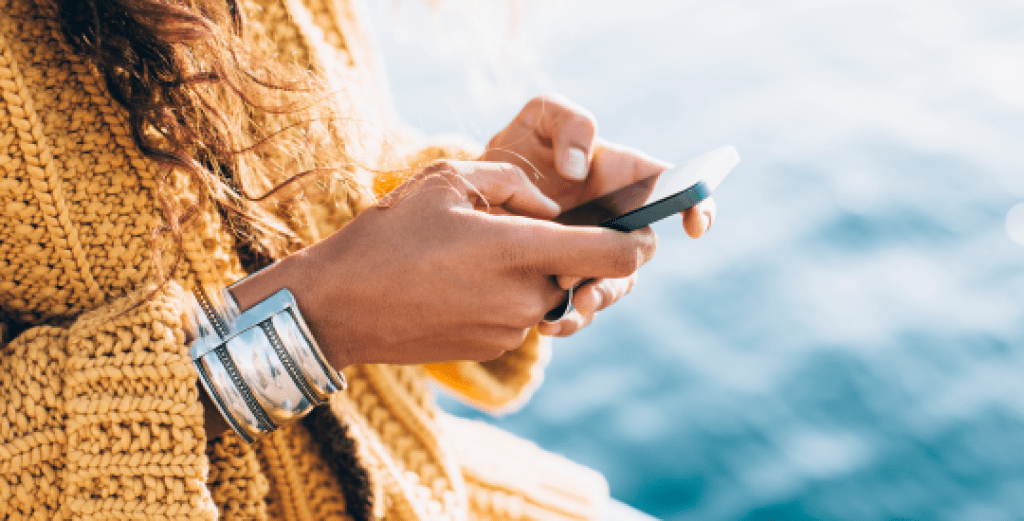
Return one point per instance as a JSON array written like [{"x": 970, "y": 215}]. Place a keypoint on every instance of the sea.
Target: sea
[{"x": 847, "y": 342}]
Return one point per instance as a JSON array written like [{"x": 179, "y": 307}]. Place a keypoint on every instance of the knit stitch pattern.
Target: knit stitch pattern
[
  {"x": 101, "y": 413},
  {"x": 103, "y": 419}
]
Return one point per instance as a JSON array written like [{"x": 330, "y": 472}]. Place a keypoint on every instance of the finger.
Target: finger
[
  {"x": 698, "y": 220},
  {"x": 500, "y": 185},
  {"x": 570, "y": 128},
  {"x": 588, "y": 300},
  {"x": 550, "y": 328},
  {"x": 601, "y": 293},
  {"x": 616, "y": 166},
  {"x": 574, "y": 251},
  {"x": 565, "y": 282},
  {"x": 568, "y": 325},
  {"x": 571, "y": 324}
]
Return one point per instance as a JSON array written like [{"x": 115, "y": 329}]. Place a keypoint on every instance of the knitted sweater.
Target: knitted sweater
[{"x": 99, "y": 410}]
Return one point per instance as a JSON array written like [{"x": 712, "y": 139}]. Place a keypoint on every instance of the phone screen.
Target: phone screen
[{"x": 676, "y": 190}]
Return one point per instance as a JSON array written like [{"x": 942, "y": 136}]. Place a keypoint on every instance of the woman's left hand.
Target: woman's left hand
[{"x": 555, "y": 142}]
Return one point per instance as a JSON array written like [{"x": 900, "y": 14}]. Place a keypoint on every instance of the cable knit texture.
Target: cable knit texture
[{"x": 101, "y": 414}]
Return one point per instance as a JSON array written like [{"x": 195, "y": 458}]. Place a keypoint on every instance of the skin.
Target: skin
[
  {"x": 469, "y": 255},
  {"x": 540, "y": 140}
]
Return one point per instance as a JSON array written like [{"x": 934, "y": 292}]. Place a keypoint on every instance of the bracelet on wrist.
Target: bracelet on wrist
[{"x": 262, "y": 367}]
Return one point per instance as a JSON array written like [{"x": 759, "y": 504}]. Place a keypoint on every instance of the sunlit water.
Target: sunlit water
[{"x": 848, "y": 342}]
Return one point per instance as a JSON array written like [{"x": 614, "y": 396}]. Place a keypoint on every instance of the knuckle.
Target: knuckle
[
  {"x": 648, "y": 243},
  {"x": 516, "y": 252},
  {"x": 442, "y": 168},
  {"x": 512, "y": 174},
  {"x": 506, "y": 244},
  {"x": 439, "y": 166},
  {"x": 586, "y": 121},
  {"x": 608, "y": 294},
  {"x": 533, "y": 110},
  {"x": 576, "y": 115},
  {"x": 553, "y": 99},
  {"x": 627, "y": 259},
  {"x": 511, "y": 258},
  {"x": 544, "y": 100},
  {"x": 552, "y": 102},
  {"x": 563, "y": 111}
]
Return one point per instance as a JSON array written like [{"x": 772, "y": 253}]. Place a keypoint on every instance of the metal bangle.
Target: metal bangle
[{"x": 262, "y": 368}]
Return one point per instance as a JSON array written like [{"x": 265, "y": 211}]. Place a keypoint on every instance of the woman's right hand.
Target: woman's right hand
[{"x": 444, "y": 271}]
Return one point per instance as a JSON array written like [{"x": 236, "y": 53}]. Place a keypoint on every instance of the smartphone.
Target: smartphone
[
  {"x": 676, "y": 190},
  {"x": 679, "y": 189}
]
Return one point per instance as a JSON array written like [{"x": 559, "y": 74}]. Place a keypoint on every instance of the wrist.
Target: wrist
[
  {"x": 257, "y": 287},
  {"x": 261, "y": 368},
  {"x": 295, "y": 273}
]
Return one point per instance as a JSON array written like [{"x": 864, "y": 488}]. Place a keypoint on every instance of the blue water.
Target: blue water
[{"x": 848, "y": 342}]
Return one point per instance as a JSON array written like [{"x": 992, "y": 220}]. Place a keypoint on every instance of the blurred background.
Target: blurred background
[{"x": 848, "y": 341}]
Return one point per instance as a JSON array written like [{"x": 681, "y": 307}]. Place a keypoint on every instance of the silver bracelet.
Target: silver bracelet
[{"x": 262, "y": 368}]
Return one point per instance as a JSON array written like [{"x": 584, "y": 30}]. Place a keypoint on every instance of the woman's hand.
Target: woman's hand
[
  {"x": 555, "y": 141},
  {"x": 430, "y": 276}
]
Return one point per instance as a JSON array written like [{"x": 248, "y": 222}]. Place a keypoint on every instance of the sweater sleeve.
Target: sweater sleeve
[
  {"x": 501, "y": 385},
  {"x": 102, "y": 417}
]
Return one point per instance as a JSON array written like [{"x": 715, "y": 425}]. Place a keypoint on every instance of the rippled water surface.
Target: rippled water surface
[{"x": 848, "y": 342}]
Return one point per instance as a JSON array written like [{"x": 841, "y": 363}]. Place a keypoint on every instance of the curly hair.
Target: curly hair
[{"x": 199, "y": 101}]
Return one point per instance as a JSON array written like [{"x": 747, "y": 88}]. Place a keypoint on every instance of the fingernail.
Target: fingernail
[
  {"x": 710, "y": 219},
  {"x": 574, "y": 165}
]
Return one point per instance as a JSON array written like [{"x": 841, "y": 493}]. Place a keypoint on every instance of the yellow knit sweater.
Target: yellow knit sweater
[{"x": 100, "y": 413}]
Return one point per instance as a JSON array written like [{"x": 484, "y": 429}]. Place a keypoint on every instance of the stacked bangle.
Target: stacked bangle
[{"x": 262, "y": 368}]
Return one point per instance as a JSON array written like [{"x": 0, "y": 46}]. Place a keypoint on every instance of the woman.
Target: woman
[{"x": 154, "y": 150}]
